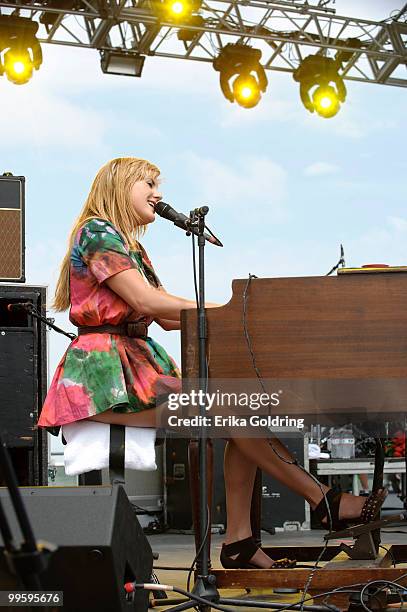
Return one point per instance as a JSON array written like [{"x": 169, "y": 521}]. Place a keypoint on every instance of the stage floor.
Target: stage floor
[{"x": 177, "y": 550}]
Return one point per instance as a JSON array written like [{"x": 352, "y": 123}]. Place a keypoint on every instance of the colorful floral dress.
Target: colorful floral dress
[{"x": 101, "y": 370}]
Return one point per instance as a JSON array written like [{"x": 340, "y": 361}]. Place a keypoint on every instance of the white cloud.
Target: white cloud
[
  {"x": 379, "y": 244},
  {"x": 38, "y": 118},
  {"x": 397, "y": 223},
  {"x": 251, "y": 183},
  {"x": 321, "y": 169}
]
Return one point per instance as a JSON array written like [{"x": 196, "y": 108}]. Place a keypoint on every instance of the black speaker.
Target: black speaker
[
  {"x": 23, "y": 381},
  {"x": 12, "y": 239},
  {"x": 101, "y": 546}
]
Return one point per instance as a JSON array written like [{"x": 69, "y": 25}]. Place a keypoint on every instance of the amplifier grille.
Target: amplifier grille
[{"x": 10, "y": 245}]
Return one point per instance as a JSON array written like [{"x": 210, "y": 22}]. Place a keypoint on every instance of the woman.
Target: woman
[{"x": 114, "y": 373}]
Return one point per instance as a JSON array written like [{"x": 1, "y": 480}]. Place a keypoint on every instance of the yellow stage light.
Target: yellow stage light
[
  {"x": 246, "y": 91},
  {"x": 325, "y": 101},
  {"x": 242, "y": 77},
  {"x": 322, "y": 89},
  {"x": 18, "y": 66},
  {"x": 178, "y": 10},
  {"x": 20, "y": 50}
]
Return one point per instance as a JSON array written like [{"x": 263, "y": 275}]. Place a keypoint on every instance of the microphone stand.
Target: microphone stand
[{"x": 205, "y": 583}]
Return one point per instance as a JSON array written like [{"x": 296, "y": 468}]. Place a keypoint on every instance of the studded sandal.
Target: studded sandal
[
  {"x": 370, "y": 510},
  {"x": 333, "y": 500},
  {"x": 372, "y": 506},
  {"x": 245, "y": 549}
]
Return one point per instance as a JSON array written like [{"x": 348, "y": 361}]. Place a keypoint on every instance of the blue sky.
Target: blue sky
[{"x": 284, "y": 187}]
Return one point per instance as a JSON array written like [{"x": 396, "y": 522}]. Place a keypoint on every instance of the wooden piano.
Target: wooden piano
[{"x": 337, "y": 347}]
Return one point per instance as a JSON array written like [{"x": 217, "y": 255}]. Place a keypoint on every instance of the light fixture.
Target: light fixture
[
  {"x": 321, "y": 87},
  {"x": 20, "y": 51},
  {"x": 122, "y": 63},
  {"x": 243, "y": 62},
  {"x": 186, "y": 34},
  {"x": 177, "y": 10}
]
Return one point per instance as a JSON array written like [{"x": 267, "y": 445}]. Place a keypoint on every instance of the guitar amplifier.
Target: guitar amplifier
[
  {"x": 12, "y": 228},
  {"x": 23, "y": 381}
]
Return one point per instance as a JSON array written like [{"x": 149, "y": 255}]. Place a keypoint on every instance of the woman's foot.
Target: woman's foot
[
  {"x": 346, "y": 508},
  {"x": 245, "y": 554}
]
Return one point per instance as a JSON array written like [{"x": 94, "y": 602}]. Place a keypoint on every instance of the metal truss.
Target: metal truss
[{"x": 285, "y": 31}]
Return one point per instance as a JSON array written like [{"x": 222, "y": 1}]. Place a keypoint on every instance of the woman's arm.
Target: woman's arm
[
  {"x": 148, "y": 300},
  {"x": 167, "y": 324}
]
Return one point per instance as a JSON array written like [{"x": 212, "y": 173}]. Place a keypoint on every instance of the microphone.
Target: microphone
[
  {"x": 19, "y": 306},
  {"x": 180, "y": 220}
]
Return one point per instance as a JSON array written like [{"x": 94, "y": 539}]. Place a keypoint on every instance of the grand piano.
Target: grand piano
[{"x": 337, "y": 348}]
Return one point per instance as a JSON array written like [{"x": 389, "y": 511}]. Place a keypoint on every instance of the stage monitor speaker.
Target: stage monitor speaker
[
  {"x": 101, "y": 546},
  {"x": 12, "y": 228}
]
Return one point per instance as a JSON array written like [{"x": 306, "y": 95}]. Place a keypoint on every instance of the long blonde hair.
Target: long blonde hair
[{"x": 109, "y": 199}]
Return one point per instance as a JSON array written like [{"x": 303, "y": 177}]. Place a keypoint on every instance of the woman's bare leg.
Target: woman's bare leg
[
  {"x": 273, "y": 457},
  {"x": 258, "y": 452},
  {"x": 240, "y": 473}
]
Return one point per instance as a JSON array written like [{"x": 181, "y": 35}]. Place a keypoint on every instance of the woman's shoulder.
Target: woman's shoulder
[
  {"x": 98, "y": 225},
  {"x": 98, "y": 230}
]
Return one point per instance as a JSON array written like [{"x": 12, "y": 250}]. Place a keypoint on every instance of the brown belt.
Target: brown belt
[{"x": 135, "y": 329}]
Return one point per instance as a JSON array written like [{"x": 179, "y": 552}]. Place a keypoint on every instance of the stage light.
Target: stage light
[
  {"x": 177, "y": 10},
  {"x": 321, "y": 87},
  {"x": 246, "y": 91},
  {"x": 18, "y": 66},
  {"x": 186, "y": 34},
  {"x": 242, "y": 62},
  {"x": 325, "y": 101},
  {"x": 20, "y": 51},
  {"x": 122, "y": 63}
]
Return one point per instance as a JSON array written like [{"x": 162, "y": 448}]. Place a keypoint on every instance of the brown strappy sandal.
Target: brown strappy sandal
[{"x": 245, "y": 549}]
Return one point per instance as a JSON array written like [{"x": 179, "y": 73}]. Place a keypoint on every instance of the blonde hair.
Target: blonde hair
[{"x": 109, "y": 199}]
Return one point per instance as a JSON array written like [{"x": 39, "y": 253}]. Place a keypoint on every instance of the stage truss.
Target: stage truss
[{"x": 285, "y": 32}]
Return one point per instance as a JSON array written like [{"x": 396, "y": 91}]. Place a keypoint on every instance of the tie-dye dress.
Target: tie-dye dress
[{"x": 101, "y": 370}]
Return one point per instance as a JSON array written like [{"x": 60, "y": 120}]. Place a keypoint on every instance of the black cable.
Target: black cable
[
  {"x": 31, "y": 309},
  {"x": 194, "y": 270},
  {"x": 246, "y": 333},
  {"x": 384, "y": 583},
  {"x": 294, "y": 462},
  {"x": 388, "y": 550},
  {"x": 342, "y": 589},
  {"x": 140, "y": 510},
  {"x": 170, "y": 568},
  {"x": 329, "y": 516},
  {"x": 190, "y": 595},
  {"x": 191, "y": 569}
]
